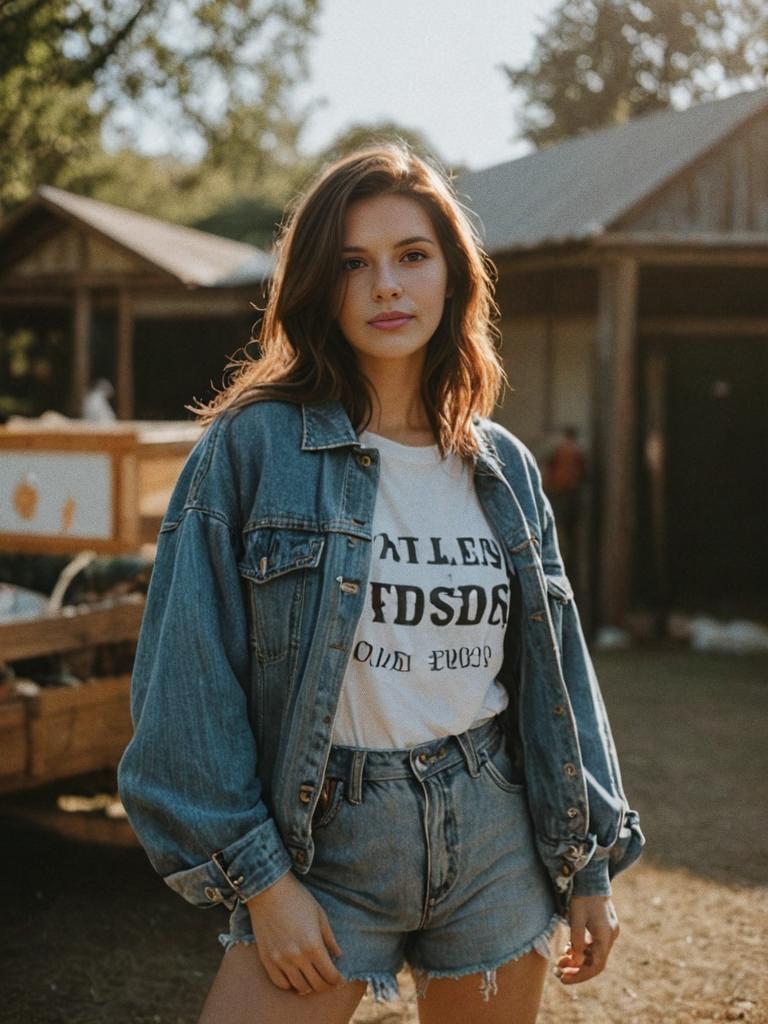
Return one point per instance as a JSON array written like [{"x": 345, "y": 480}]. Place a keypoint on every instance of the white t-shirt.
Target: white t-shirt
[{"x": 430, "y": 640}]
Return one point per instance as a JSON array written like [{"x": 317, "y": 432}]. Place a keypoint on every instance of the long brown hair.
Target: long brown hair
[{"x": 305, "y": 357}]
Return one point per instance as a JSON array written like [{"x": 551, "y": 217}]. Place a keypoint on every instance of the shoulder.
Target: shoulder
[
  {"x": 513, "y": 454},
  {"x": 227, "y": 460}
]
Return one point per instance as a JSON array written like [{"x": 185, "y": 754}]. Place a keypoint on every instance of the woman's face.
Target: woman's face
[{"x": 394, "y": 280}]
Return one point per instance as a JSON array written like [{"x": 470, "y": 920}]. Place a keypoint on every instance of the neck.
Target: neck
[{"x": 397, "y": 406}]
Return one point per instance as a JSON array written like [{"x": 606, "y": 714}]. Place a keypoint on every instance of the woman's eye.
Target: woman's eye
[
  {"x": 352, "y": 263},
  {"x": 414, "y": 257}
]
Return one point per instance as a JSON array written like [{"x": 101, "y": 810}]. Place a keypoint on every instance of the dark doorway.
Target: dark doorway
[
  {"x": 177, "y": 361},
  {"x": 35, "y": 352},
  {"x": 716, "y": 474}
]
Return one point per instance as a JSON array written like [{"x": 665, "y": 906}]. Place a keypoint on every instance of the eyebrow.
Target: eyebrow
[{"x": 398, "y": 245}]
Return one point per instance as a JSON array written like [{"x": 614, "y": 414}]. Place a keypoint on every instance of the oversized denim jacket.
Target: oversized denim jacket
[{"x": 259, "y": 581}]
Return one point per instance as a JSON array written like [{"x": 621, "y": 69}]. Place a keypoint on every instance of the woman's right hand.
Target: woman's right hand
[{"x": 294, "y": 938}]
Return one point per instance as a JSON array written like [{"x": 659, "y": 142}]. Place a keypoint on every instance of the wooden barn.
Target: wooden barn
[
  {"x": 90, "y": 290},
  {"x": 633, "y": 286}
]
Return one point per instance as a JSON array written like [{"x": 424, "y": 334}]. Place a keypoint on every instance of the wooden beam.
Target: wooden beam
[
  {"x": 81, "y": 350},
  {"x": 124, "y": 384},
  {"x": 747, "y": 326},
  {"x": 617, "y": 429}
]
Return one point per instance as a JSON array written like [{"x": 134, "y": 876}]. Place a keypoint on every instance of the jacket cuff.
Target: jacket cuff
[
  {"x": 241, "y": 870},
  {"x": 593, "y": 879}
]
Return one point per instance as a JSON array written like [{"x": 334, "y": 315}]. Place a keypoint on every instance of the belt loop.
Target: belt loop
[
  {"x": 467, "y": 745},
  {"x": 355, "y": 777}
]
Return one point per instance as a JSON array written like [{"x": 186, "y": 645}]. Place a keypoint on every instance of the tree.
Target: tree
[
  {"x": 601, "y": 62},
  {"x": 213, "y": 77}
]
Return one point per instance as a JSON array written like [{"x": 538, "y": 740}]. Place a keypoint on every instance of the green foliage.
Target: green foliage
[
  {"x": 214, "y": 78},
  {"x": 601, "y": 62}
]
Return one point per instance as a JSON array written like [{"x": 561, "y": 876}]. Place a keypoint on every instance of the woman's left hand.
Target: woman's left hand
[{"x": 594, "y": 929}]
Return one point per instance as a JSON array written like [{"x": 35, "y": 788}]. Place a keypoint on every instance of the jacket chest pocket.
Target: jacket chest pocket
[
  {"x": 559, "y": 593},
  {"x": 277, "y": 566}
]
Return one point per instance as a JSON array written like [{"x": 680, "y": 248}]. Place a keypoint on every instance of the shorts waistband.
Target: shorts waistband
[{"x": 355, "y": 765}]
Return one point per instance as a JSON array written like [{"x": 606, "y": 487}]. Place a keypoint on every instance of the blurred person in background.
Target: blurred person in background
[{"x": 564, "y": 475}]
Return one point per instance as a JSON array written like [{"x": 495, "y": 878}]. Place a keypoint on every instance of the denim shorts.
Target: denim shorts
[{"x": 426, "y": 857}]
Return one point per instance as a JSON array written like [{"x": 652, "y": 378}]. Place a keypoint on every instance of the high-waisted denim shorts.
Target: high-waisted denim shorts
[{"x": 426, "y": 856}]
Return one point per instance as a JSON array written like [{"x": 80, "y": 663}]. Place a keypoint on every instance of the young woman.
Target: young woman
[{"x": 366, "y": 720}]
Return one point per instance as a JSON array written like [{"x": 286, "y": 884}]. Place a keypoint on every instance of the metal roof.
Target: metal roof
[
  {"x": 194, "y": 257},
  {"x": 577, "y": 189}
]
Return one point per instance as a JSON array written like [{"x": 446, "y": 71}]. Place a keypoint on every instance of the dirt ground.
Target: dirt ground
[{"x": 90, "y": 935}]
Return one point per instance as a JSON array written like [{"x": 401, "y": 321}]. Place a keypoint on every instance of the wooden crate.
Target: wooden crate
[
  {"x": 14, "y": 744},
  {"x": 77, "y": 729}
]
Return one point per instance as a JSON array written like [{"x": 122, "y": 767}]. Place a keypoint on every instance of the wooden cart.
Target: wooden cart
[{"x": 65, "y": 490}]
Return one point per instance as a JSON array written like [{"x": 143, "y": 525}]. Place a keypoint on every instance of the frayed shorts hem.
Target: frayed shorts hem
[
  {"x": 383, "y": 986},
  {"x": 540, "y": 943}
]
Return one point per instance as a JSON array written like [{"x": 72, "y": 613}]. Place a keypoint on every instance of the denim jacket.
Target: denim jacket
[{"x": 259, "y": 581}]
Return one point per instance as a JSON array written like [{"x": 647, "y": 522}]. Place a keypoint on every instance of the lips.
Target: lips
[{"x": 391, "y": 321}]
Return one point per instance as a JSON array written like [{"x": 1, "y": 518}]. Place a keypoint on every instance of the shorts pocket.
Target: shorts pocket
[
  {"x": 329, "y": 802},
  {"x": 499, "y": 767}
]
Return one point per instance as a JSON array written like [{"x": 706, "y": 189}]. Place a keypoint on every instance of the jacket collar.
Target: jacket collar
[{"x": 327, "y": 425}]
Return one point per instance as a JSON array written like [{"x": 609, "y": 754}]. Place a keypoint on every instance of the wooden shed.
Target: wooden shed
[
  {"x": 92, "y": 290},
  {"x": 634, "y": 295}
]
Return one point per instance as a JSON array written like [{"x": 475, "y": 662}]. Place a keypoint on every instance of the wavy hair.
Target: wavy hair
[{"x": 304, "y": 357}]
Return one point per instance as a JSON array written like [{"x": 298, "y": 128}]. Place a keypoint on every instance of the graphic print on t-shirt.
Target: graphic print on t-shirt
[
  {"x": 393, "y": 602},
  {"x": 429, "y": 642}
]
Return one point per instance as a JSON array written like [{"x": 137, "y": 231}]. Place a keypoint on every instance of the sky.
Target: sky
[{"x": 432, "y": 65}]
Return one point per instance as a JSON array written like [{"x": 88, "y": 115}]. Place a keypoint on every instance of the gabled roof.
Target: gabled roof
[
  {"x": 193, "y": 257},
  {"x": 579, "y": 188}
]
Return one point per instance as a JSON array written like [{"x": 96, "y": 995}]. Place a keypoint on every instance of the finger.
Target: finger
[
  {"x": 276, "y": 976},
  {"x": 326, "y": 968},
  {"x": 315, "y": 979},
  {"x": 297, "y": 980},
  {"x": 578, "y": 938},
  {"x": 595, "y": 960},
  {"x": 328, "y": 937}
]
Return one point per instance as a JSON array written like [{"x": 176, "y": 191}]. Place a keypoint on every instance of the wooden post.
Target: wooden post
[
  {"x": 124, "y": 355},
  {"x": 616, "y": 331},
  {"x": 81, "y": 350}
]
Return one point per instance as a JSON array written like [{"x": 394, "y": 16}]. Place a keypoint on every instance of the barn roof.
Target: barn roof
[
  {"x": 579, "y": 188},
  {"x": 193, "y": 257}
]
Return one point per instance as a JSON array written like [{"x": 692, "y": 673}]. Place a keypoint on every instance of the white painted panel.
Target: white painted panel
[
  {"x": 56, "y": 494},
  {"x": 524, "y": 405}
]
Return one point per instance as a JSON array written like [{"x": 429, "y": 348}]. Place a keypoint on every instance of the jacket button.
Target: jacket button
[
  {"x": 566, "y": 869},
  {"x": 559, "y": 709},
  {"x": 572, "y": 812},
  {"x": 538, "y": 616},
  {"x": 214, "y": 895},
  {"x": 300, "y": 857},
  {"x": 365, "y": 460},
  {"x": 570, "y": 769},
  {"x": 305, "y": 793}
]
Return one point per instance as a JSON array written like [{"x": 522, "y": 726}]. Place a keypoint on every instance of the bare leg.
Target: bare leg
[
  {"x": 242, "y": 993},
  {"x": 520, "y": 984}
]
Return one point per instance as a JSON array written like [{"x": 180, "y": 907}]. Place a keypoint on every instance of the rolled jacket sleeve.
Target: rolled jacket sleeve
[
  {"x": 188, "y": 779},
  {"x": 613, "y": 825}
]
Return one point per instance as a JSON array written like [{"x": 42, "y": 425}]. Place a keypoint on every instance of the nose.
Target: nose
[{"x": 386, "y": 284}]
